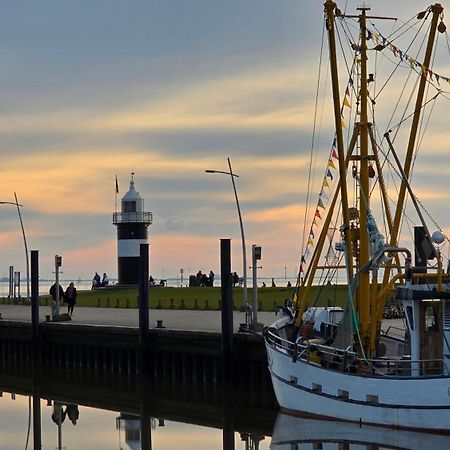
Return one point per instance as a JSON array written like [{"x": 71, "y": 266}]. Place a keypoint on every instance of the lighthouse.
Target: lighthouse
[{"x": 132, "y": 224}]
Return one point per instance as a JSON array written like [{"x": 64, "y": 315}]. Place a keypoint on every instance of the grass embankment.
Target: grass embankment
[{"x": 201, "y": 298}]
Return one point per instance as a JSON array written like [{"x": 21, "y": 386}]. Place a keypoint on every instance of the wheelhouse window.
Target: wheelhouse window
[{"x": 432, "y": 317}]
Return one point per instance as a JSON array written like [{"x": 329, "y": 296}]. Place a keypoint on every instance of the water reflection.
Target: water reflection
[
  {"x": 89, "y": 399},
  {"x": 294, "y": 433},
  {"x": 65, "y": 424}
]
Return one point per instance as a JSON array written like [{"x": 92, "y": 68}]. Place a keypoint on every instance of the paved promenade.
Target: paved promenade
[{"x": 172, "y": 319}]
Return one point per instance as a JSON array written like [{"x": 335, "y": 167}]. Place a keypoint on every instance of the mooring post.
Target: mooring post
[
  {"x": 36, "y": 354},
  {"x": 227, "y": 343},
  {"x": 35, "y": 293},
  {"x": 146, "y": 441},
  {"x": 143, "y": 293},
  {"x": 146, "y": 430},
  {"x": 143, "y": 303},
  {"x": 37, "y": 438},
  {"x": 227, "y": 309}
]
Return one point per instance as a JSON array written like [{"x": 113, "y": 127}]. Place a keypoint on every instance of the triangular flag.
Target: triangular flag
[
  {"x": 311, "y": 232},
  {"x": 334, "y": 154},
  {"x": 317, "y": 214},
  {"x": 346, "y": 102},
  {"x": 347, "y": 91},
  {"x": 320, "y": 204},
  {"x": 329, "y": 174},
  {"x": 437, "y": 78},
  {"x": 377, "y": 36},
  {"x": 310, "y": 241},
  {"x": 331, "y": 164},
  {"x": 325, "y": 183}
]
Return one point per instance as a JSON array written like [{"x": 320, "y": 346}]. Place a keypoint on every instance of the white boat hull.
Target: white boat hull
[{"x": 420, "y": 403}]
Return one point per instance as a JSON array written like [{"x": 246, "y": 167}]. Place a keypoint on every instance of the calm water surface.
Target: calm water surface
[{"x": 98, "y": 429}]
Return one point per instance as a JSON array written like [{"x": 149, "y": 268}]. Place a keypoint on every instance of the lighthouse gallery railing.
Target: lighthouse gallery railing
[{"x": 136, "y": 217}]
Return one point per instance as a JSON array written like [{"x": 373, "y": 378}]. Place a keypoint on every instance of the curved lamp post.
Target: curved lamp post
[
  {"x": 18, "y": 206},
  {"x": 244, "y": 258}
]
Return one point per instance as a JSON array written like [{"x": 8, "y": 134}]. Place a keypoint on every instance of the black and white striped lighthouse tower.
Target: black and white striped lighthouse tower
[{"x": 132, "y": 230}]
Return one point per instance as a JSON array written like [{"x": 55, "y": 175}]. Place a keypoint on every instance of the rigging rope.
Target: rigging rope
[
  {"x": 308, "y": 190},
  {"x": 400, "y": 61}
]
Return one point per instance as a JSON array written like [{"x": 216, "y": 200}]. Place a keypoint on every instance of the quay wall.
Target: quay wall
[{"x": 100, "y": 366}]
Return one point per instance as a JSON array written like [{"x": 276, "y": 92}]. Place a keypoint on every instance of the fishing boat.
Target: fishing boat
[{"x": 335, "y": 361}]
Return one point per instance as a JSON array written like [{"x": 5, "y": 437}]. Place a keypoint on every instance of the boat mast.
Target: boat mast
[
  {"x": 436, "y": 10},
  {"x": 363, "y": 292},
  {"x": 330, "y": 8}
]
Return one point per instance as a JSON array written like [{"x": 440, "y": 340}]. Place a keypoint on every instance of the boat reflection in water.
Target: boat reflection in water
[{"x": 294, "y": 433}]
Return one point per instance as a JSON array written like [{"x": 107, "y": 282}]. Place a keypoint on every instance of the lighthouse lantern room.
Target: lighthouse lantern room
[{"x": 132, "y": 230}]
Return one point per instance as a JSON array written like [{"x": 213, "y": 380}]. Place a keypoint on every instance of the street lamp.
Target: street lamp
[
  {"x": 244, "y": 258},
  {"x": 18, "y": 206}
]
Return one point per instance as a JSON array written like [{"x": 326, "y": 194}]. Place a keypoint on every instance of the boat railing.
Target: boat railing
[
  {"x": 347, "y": 360},
  {"x": 407, "y": 367}
]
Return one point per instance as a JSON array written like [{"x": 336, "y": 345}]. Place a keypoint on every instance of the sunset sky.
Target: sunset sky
[{"x": 166, "y": 89}]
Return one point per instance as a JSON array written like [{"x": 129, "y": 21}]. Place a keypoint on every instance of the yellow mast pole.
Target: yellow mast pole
[
  {"x": 377, "y": 311},
  {"x": 364, "y": 279},
  {"x": 436, "y": 10},
  {"x": 330, "y": 7}
]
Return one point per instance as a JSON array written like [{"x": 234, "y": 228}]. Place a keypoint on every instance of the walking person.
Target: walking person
[
  {"x": 53, "y": 292},
  {"x": 71, "y": 298}
]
